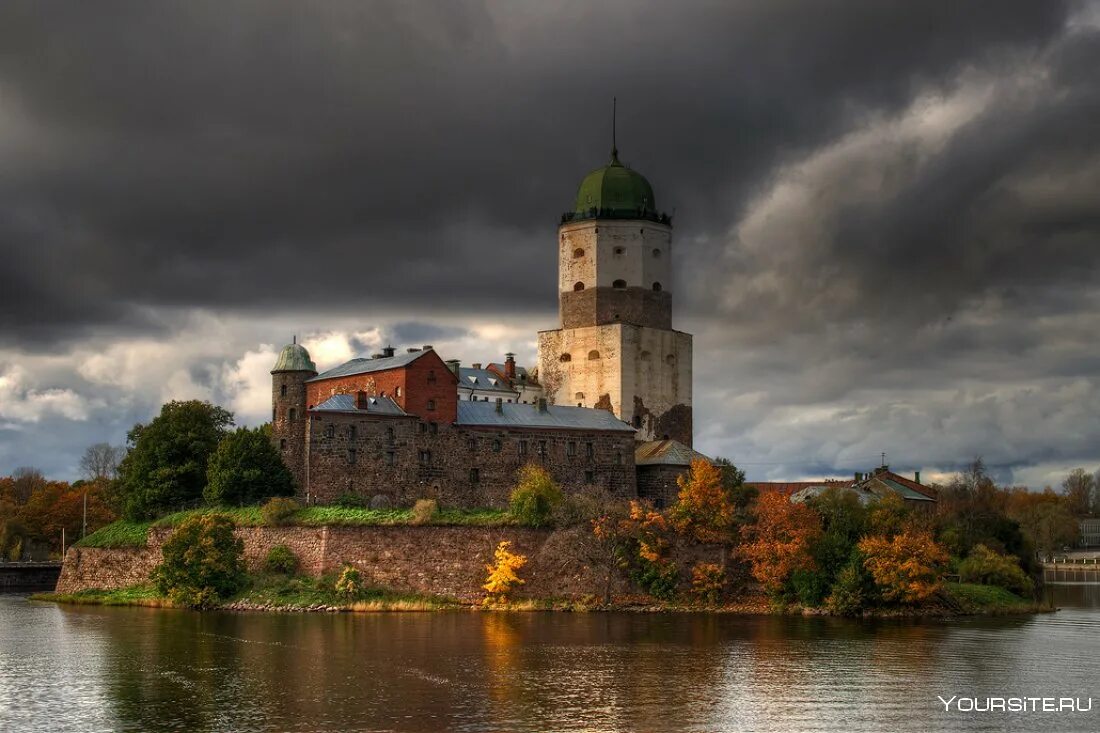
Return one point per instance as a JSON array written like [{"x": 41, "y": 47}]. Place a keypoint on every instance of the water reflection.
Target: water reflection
[{"x": 86, "y": 668}]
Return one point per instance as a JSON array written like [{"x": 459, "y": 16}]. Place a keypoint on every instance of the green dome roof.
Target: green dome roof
[
  {"x": 617, "y": 190},
  {"x": 294, "y": 358}
]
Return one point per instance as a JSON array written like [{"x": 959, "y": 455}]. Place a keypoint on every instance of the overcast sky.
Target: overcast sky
[{"x": 887, "y": 215}]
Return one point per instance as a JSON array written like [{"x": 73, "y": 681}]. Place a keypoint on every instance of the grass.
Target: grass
[
  {"x": 124, "y": 533},
  {"x": 303, "y": 592},
  {"x": 989, "y": 599},
  {"x": 135, "y": 595}
]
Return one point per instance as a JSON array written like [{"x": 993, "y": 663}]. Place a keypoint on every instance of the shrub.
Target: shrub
[
  {"x": 350, "y": 500},
  {"x": 502, "y": 574},
  {"x": 658, "y": 578},
  {"x": 278, "y": 511},
  {"x": 707, "y": 581},
  {"x": 350, "y": 582},
  {"x": 424, "y": 510},
  {"x": 810, "y": 587},
  {"x": 246, "y": 468},
  {"x": 906, "y": 568},
  {"x": 535, "y": 497},
  {"x": 849, "y": 597},
  {"x": 203, "y": 562},
  {"x": 984, "y": 566},
  {"x": 280, "y": 559}
]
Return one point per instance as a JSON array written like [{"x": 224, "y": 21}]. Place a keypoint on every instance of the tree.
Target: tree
[
  {"x": 246, "y": 469},
  {"x": 535, "y": 497},
  {"x": 1045, "y": 520},
  {"x": 503, "y": 576},
  {"x": 25, "y": 480},
  {"x": 203, "y": 562},
  {"x": 100, "y": 462},
  {"x": 906, "y": 568},
  {"x": 984, "y": 566},
  {"x": 551, "y": 377},
  {"x": 1078, "y": 488},
  {"x": 166, "y": 466},
  {"x": 844, "y": 521},
  {"x": 778, "y": 541},
  {"x": 705, "y": 507},
  {"x": 733, "y": 479}
]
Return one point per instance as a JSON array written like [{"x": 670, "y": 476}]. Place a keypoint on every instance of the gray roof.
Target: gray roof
[
  {"x": 347, "y": 403},
  {"x": 666, "y": 453},
  {"x": 366, "y": 366},
  {"x": 483, "y": 380},
  {"x": 529, "y": 416}
]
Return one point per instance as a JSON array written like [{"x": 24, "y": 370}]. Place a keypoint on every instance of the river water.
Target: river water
[{"x": 83, "y": 668}]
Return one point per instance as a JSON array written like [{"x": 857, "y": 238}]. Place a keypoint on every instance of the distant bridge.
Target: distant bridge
[
  {"x": 29, "y": 575},
  {"x": 1071, "y": 573}
]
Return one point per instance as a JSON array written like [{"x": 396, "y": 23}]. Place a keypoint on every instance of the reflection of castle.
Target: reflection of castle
[{"x": 397, "y": 427}]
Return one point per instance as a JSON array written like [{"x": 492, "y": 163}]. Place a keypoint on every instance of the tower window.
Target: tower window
[
  {"x": 579, "y": 396},
  {"x": 282, "y": 391},
  {"x": 637, "y": 421},
  {"x": 656, "y": 253},
  {"x": 578, "y": 252},
  {"x": 593, "y": 355},
  {"x": 618, "y": 251},
  {"x": 656, "y": 287},
  {"x": 670, "y": 359},
  {"x": 578, "y": 286},
  {"x": 293, "y": 414},
  {"x": 619, "y": 284},
  {"x": 565, "y": 357},
  {"x": 644, "y": 356}
]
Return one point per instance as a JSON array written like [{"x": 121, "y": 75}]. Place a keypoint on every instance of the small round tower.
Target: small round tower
[{"x": 289, "y": 416}]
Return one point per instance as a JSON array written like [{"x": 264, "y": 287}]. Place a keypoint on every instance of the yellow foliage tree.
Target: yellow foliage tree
[
  {"x": 778, "y": 541},
  {"x": 704, "y": 507},
  {"x": 502, "y": 574},
  {"x": 906, "y": 568}
]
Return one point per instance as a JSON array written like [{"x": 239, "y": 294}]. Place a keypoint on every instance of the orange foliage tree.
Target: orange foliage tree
[
  {"x": 704, "y": 508},
  {"x": 502, "y": 575},
  {"x": 779, "y": 540},
  {"x": 906, "y": 568}
]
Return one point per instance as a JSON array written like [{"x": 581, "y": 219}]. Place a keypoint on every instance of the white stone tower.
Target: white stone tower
[{"x": 616, "y": 348}]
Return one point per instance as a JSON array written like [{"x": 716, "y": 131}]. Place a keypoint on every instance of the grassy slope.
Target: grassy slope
[
  {"x": 124, "y": 533},
  {"x": 989, "y": 599}
]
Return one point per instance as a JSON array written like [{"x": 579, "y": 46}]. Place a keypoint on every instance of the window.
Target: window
[
  {"x": 542, "y": 448},
  {"x": 472, "y": 443},
  {"x": 282, "y": 391},
  {"x": 618, "y": 458},
  {"x": 637, "y": 421},
  {"x": 564, "y": 357},
  {"x": 282, "y": 444},
  {"x": 475, "y": 476},
  {"x": 618, "y": 251},
  {"x": 389, "y": 458},
  {"x": 433, "y": 427},
  {"x": 351, "y": 456},
  {"x": 589, "y": 450},
  {"x": 523, "y": 447},
  {"x": 590, "y": 477},
  {"x": 619, "y": 284},
  {"x": 423, "y": 427},
  {"x": 644, "y": 356},
  {"x": 396, "y": 391},
  {"x": 593, "y": 355},
  {"x": 330, "y": 431},
  {"x": 579, "y": 396},
  {"x": 496, "y": 445},
  {"x": 425, "y": 457},
  {"x": 571, "y": 448},
  {"x": 578, "y": 252},
  {"x": 389, "y": 434},
  {"x": 656, "y": 287},
  {"x": 431, "y": 404},
  {"x": 656, "y": 253},
  {"x": 431, "y": 375},
  {"x": 293, "y": 414},
  {"x": 578, "y": 286},
  {"x": 352, "y": 432},
  {"x": 670, "y": 359}
]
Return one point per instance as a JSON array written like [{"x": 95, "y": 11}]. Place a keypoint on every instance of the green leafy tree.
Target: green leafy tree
[
  {"x": 844, "y": 520},
  {"x": 165, "y": 468},
  {"x": 203, "y": 562},
  {"x": 535, "y": 497},
  {"x": 246, "y": 469},
  {"x": 988, "y": 568}
]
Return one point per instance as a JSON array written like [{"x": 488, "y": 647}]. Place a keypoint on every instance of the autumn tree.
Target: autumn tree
[
  {"x": 1078, "y": 489},
  {"x": 704, "y": 508},
  {"x": 778, "y": 541},
  {"x": 503, "y": 573},
  {"x": 906, "y": 568},
  {"x": 1044, "y": 518}
]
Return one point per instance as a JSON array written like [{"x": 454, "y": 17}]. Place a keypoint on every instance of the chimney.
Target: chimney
[
  {"x": 376, "y": 356},
  {"x": 361, "y": 400},
  {"x": 500, "y": 406},
  {"x": 388, "y": 351},
  {"x": 857, "y": 477},
  {"x": 510, "y": 365},
  {"x": 916, "y": 476},
  {"x": 427, "y": 347},
  {"x": 453, "y": 365},
  {"x": 412, "y": 349},
  {"x": 541, "y": 404},
  {"x": 476, "y": 365}
]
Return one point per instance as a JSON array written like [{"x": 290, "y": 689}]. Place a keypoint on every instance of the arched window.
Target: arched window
[
  {"x": 619, "y": 284},
  {"x": 644, "y": 356},
  {"x": 670, "y": 359},
  {"x": 578, "y": 252},
  {"x": 282, "y": 391},
  {"x": 656, "y": 287},
  {"x": 657, "y": 253},
  {"x": 565, "y": 357},
  {"x": 578, "y": 286},
  {"x": 579, "y": 396},
  {"x": 593, "y": 355},
  {"x": 396, "y": 391}
]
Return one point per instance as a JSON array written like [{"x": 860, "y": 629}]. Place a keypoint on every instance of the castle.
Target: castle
[{"x": 608, "y": 407}]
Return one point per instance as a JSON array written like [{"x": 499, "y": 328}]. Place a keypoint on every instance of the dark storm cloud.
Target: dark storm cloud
[{"x": 387, "y": 155}]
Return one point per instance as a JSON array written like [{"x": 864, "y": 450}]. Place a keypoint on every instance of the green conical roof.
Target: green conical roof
[
  {"x": 294, "y": 358},
  {"x": 615, "y": 191}
]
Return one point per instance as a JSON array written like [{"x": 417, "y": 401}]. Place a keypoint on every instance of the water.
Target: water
[{"x": 66, "y": 668}]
